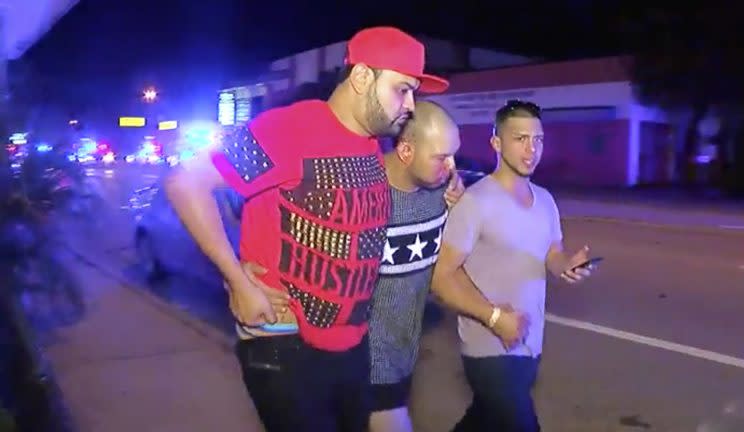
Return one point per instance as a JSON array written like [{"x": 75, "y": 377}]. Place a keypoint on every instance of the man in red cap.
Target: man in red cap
[{"x": 317, "y": 205}]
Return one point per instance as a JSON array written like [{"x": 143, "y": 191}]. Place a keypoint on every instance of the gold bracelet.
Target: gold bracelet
[{"x": 495, "y": 315}]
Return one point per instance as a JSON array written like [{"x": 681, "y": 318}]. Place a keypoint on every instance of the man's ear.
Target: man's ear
[
  {"x": 361, "y": 77},
  {"x": 496, "y": 143},
  {"x": 405, "y": 150}
]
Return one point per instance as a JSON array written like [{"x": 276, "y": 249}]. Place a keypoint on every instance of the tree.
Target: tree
[
  {"x": 29, "y": 94},
  {"x": 689, "y": 58}
]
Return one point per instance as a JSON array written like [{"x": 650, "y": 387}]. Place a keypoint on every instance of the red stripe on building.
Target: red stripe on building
[{"x": 608, "y": 69}]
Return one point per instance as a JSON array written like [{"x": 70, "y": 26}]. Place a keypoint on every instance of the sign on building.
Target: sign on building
[
  {"x": 238, "y": 105},
  {"x": 131, "y": 121},
  {"x": 480, "y": 107}
]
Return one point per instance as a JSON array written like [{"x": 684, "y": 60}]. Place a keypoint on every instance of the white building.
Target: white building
[
  {"x": 442, "y": 56},
  {"x": 287, "y": 76},
  {"x": 597, "y": 132}
]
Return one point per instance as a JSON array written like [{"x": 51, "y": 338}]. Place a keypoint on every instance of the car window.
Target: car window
[{"x": 470, "y": 177}]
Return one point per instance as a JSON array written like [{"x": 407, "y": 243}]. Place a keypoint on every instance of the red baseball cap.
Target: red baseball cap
[{"x": 392, "y": 49}]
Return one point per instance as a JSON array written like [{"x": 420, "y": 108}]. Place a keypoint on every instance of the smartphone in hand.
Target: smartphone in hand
[{"x": 588, "y": 264}]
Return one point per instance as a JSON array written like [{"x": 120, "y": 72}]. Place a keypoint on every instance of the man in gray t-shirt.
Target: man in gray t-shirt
[{"x": 501, "y": 239}]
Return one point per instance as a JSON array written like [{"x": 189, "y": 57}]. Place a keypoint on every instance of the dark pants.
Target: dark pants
[
  {"x": 502, "y": 398},
  {"x": 298, "y": 388}
]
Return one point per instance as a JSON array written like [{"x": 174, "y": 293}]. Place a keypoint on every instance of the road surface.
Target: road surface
[{"x": 652, "y": 342}]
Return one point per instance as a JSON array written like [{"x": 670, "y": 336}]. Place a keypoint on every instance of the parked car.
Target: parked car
[
  {"x": 164, "y": 247},
  {"x": 470, "y": 177}
]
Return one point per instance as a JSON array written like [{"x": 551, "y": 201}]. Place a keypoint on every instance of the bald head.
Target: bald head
[
  {"x": 429, "y": 121},
  {"x": 427, "y": 145}
]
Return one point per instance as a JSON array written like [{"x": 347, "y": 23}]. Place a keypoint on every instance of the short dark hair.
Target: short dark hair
[{"x": 516, "y": 108}]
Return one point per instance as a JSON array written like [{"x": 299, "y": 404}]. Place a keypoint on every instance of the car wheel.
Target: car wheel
[{"x": 147, "y": 256}]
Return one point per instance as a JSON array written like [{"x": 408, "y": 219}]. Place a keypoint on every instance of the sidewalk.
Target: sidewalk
[
  {"x": 135, "y": 363},
  {"x": 651, "y": 214},
  {"x": 630, "y": 208},
  {"x": 138, "y": 363},
  {"x": 669, "y": 197}
]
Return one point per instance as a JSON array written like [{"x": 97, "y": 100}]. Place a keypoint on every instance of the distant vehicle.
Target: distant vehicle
[
  {"x": 164, "y": 247},
  {"x": 89, "y": 151},
  {"x": 150, "y": 151}
]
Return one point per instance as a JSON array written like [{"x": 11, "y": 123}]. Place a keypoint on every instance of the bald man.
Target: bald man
[{"x": 423, "y": 183}]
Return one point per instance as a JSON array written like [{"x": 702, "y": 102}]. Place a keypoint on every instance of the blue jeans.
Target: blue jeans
[{"x": 502, "y": 398}]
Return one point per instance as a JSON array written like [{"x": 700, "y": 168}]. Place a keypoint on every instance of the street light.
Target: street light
[{"x": 150, "y": 95}]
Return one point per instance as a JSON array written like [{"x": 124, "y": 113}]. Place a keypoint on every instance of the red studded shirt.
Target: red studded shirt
[{"x": 315, "y": 215}]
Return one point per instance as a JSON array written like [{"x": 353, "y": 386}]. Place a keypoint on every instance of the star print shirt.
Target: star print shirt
[
  {"x": 317, "y": 203},
  {"x": 414, "y": 235}
]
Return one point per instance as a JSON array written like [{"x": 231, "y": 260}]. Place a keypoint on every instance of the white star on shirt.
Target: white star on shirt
[
  {"x": 387, "y": 254},
  {"x": 417, "y": 249},
  {"x": 438, "y": 241}
]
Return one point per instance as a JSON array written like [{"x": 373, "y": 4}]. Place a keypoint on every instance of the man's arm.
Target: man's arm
[
  {"x": 190, "y": 190},
  {"x": 455, "y": 289},
  {"x": 557, "y": 261},
  {"x": 450, "y": 283},
  {"x": 563, "y": 266},
  {"x": 244, "y": 165}
]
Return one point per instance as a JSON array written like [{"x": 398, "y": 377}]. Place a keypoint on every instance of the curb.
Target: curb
[
  {"x": 707, "y": 229},
  {"x": 677, "y": 207}
]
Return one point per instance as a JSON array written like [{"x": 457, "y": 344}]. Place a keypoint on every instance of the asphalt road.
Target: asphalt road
[{"x": 652, "y": 342}]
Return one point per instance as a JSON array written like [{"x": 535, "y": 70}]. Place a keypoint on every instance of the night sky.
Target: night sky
[
  {"x": 127, "y": 32},
  {"x": 109, "y": 50}
]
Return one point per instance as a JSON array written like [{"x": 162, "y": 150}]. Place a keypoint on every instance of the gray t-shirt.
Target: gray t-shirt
[
  {"x": 506, "y": 246},
  {"x": 414, "y": 235}
]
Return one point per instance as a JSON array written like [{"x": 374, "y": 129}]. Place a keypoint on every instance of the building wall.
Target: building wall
[
  {"x": 441, "y": 55},
  {"x": 479, "y": 107},
  {"x": 444, "y": 55},
  {"x": 575, "y": 152},
  {"x": 595, "y": 130},
  {"x": 480, "y": 58},
  {"x": 611, "y": 69},
  {"x": 586, "y": 153},
  {"x": 656, "y": 161},
  {"x": 596, "y": 133}
]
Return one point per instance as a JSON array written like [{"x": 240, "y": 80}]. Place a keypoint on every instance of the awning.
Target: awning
[{"x": 24, "y": 22}]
